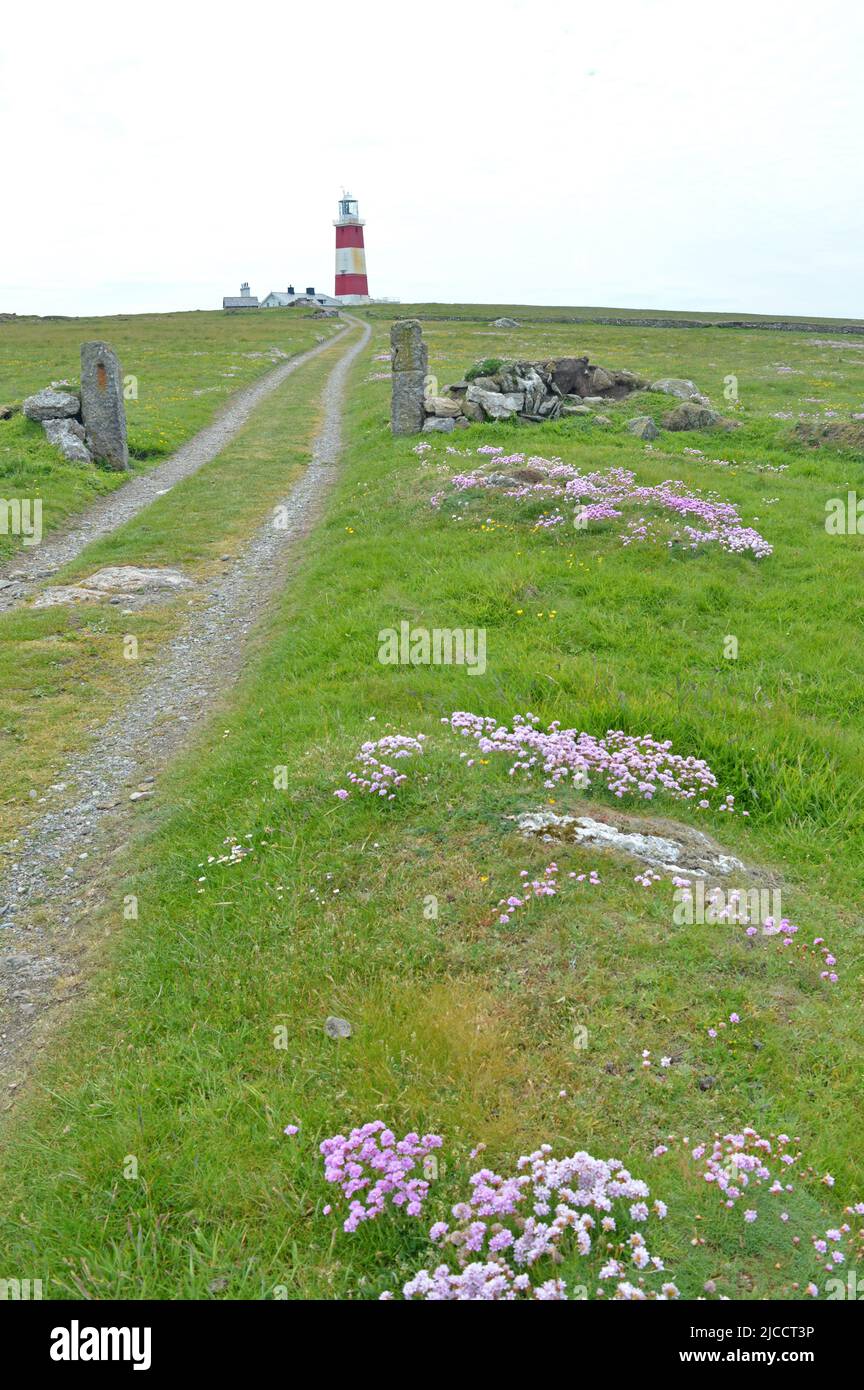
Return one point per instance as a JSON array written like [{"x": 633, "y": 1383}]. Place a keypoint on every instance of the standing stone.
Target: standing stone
[
  {"x": 409, "y": 362},
  {"x": 102, "y": 407}
]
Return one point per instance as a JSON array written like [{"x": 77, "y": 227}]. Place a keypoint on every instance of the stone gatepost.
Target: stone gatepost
[
  {"x": 102, "y": 407},
  {"x": 409, "y": 360}
]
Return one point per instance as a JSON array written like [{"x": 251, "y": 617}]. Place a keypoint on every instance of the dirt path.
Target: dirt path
[
  {"x": 48, "y": 889},
  {"x": 26, "y": 569}
]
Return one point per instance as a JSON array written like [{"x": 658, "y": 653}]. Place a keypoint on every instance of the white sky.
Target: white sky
[{"x": 665, "y": 153}]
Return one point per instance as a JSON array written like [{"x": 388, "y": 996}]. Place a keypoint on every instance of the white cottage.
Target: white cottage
[{"x": 310, "y": 297}]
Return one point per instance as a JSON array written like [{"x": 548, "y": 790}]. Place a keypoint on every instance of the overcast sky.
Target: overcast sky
[{"x": 665, "y": 153}]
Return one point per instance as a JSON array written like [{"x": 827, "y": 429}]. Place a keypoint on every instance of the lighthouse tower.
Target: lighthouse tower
[{"x": 352, "y": 286}]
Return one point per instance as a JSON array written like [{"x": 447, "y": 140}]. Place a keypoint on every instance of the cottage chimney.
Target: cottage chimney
[{"x": 244, "y": 290}]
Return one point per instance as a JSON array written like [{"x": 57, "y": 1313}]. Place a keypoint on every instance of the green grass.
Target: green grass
[
  {"x": 185, "y": 365},
  {"x": 462, "y": 1025}
]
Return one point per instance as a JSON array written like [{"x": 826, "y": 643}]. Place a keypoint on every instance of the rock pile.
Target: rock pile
[
  {"x": 59, "y": 413},
  {"x": 90, "y": 425},
  {"x": 533, "y": 391},
  {"x": 527, "y": 392},
  {"x": 540, "y": 391}
]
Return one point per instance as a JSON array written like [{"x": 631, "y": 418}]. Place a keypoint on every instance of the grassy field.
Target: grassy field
[
  {"x": 149, "y": 1158},
  {"x": 185, "y": 367},
  {"x": 544, "y": 313}
]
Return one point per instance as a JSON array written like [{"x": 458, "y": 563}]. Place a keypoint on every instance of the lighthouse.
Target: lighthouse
[{"x": 352, "y": 286}]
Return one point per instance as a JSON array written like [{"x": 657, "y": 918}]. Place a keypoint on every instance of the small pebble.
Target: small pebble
[{"x": 337, "y": 1027}]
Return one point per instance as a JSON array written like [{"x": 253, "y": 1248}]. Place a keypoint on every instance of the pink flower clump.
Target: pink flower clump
[
  {"x": 738, "y": 1163},
  {"x": 379, "y": 777},
  {"x": 602, "y": 496},
  {"x": 373, "y": 1167},
  {"x": 548, "y": 1209},
  {"x": 626, "y": 764}
]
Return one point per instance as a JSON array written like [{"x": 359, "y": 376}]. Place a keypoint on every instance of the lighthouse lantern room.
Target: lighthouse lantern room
[{"x": 352, "y": 287}]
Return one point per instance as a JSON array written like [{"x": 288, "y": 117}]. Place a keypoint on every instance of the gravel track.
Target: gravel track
[
  {"x": 48, "y": 880},
  {"x": 32, "y": 565}
]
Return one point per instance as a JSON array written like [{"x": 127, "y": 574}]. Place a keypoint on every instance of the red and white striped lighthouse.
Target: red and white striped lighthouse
[{"x": 352, "y": 287}]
